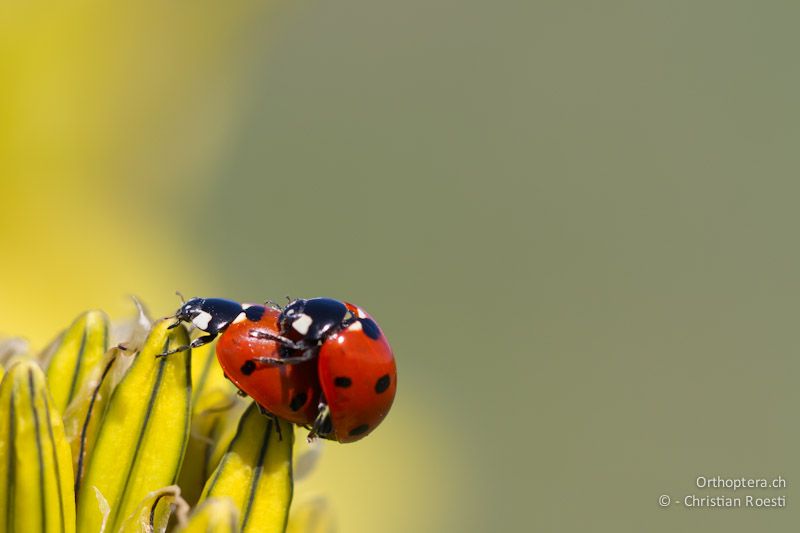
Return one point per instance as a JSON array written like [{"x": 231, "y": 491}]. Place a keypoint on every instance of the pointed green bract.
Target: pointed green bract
[
  {"x": 256, "y": 473},
  {"x": 215, "y": 406},
  {"x": 207, "y": 377},
  {"x": 214, "y": 515},
  {"x": 209, "y": 421},
  {"x": 142, "y": 437},
  {"x": 153, "y": 512},
  {"x": 223, "y": 432},
  {"x": 35, "y": 464},
  {"x": 84, "y": 414},
  {"x": 11, "y": 347},
  {"x": 74, "y": 355}
]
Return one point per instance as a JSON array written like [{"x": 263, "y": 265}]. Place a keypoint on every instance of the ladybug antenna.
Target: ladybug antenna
[
  {"x": 175, "y": 316},
  {"x": 273, "y": 305}
]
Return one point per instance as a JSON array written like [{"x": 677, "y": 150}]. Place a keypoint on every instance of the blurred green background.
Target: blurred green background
[{"x": 575, "y": 221}]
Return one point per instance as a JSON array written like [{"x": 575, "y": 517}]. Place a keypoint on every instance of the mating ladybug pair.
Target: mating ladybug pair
[{"x": 319, "y": 363}]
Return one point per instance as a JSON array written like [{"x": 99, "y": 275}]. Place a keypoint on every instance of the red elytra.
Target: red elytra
[
  {"x": 358, "y": 376},
  {"x": 290, "y": 392}
]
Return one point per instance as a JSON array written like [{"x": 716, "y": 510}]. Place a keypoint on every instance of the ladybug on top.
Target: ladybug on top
[{"x": 319, "y": 363}]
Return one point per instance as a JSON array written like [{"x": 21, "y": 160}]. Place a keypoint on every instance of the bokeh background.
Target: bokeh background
[{"x": 576, "y": 222}]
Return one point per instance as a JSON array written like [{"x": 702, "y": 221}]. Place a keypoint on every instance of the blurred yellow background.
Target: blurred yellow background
[{"x": 575, "y": 221}]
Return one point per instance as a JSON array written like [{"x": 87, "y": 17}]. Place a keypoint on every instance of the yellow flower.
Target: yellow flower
[{"x": 110, "y": 438}]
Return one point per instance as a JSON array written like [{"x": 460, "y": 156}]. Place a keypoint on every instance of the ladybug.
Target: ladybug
[
  {"x": 355, "y": 364},
  {"x": 289, "y": 391},
  {"x": 317, "y": 361}
]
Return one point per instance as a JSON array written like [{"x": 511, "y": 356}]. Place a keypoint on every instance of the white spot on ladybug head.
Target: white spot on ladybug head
[
  {"x": 241, "y": 316},
  {"x": 302, "y": 323},
  {"x": 356, "y": 326},
  {"x": 201, "y": 320}
]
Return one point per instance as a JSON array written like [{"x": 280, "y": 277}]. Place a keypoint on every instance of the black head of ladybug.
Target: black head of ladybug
[
  {"x": 208, "y": 314},
  {"x": 313, "y": 320}
]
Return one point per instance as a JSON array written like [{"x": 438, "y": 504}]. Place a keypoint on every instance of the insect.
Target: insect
[
  {"x": 289, "y": 391},
  {"x": 317, "y": 361}
]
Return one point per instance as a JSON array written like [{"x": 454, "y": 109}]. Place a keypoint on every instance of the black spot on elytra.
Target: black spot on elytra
[
  {"x": 359, "y": 430},
  {"x": 383, "y": 383},
  {"x": 370, "y": 328},
  {"x": 254, "y": 313},
  {"x": 298, "y": 401},
  {"x": 248, "y": 367},
  {"x": 343, "y": 382}
]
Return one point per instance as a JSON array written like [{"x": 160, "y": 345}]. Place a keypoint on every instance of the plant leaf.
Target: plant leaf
[
  {"x": 80, "y": 348},
  {"x": 256, "y": 473},
  {"x": 214, "y": 515},
  {"x": 35, "y": 464},
  {"x": 142, "y": 437}
]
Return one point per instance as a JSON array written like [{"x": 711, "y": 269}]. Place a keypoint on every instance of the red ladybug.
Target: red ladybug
[
  {"x": 318, "y": 361},
  {"x": 358, "y": 377},
  {"x": 290, "y": 392}
]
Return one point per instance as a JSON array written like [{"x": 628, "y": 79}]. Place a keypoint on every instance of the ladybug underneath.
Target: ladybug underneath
[{"x": 318, "y": 362}]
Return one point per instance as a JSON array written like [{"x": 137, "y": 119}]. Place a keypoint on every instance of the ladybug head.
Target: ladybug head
[
  {"x": 292, "y": 309},
  {"x": 290, "y": 313},
  {"x": 190, "y": 311}
]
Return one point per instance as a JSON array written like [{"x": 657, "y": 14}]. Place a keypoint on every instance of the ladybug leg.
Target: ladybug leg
[
  {"x": 274, "y": 419},
  {"x": 199, "y": 341},
  {"x": 322, "y": 426},
  {"x": 278, "y": 361},
  {"x": 268, "y": 335}
]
